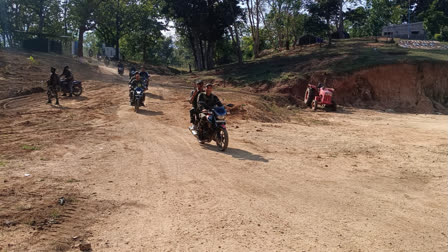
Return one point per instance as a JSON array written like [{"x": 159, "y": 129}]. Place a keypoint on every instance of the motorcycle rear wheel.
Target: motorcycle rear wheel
[{"x": 222, "y": 139}]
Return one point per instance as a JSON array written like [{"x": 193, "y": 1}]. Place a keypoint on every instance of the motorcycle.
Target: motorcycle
[
  {"x": 137, "y": 97},
  {"x": 77, "y": 87},
  {"x": 214, "y": 128},
  {"x": 120, "y": 70}
]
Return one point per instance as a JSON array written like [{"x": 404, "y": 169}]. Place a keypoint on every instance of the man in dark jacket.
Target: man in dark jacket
[
  {"x": 52, "y": 86},
  {"x": 206, "y": 101},
  {"x": 136, "y": 82},
  {"x": 68, "y": 76},
  {"x": 194, "y": 112}
]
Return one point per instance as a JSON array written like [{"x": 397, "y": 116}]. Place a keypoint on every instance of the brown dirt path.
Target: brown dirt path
[{"x": 357, "y": 180}]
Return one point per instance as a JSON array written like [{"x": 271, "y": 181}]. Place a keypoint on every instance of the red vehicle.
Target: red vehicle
[{"x": 320, "y": 96}]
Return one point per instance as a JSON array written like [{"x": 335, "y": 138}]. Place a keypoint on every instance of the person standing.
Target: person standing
[{"x": 52, "y": 86}]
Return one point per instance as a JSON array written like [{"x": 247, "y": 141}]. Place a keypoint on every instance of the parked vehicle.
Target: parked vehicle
[
  {"x": 77, "y": 87},
  {"x": 320, "y": 95}
]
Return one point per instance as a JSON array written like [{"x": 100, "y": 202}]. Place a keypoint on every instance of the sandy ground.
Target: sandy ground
[{"x": 356, "y": 180}]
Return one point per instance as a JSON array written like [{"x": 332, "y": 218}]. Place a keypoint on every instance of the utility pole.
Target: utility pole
[{"x": 409, "y": 20}]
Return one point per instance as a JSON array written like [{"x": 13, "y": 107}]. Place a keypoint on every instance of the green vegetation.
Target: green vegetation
[
  {"x": 30, "y": 147},
  {"x": 221, "y": 32},
  {"x": 343, "y": 57},
  {"x": 2, "y": 163}
]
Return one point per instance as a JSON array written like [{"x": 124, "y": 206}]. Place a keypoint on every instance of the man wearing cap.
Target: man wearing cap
[
  {"x": 68, "y": 79},
  {"x": 52, "y": 86},
  {"x": 194, "y": 112}
]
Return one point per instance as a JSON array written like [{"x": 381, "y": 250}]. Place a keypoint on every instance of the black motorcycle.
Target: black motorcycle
[
  {"x": 77, "y": 87},
  {"x": 120, "y": 70},
  {"x": 137, "y": 97},
  {"x": 214, "y": 127}
]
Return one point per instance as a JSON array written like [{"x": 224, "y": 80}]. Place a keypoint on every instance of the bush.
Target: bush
[
  {"x": 444, "y": 33},
  {"x": 438, "y": 37}
]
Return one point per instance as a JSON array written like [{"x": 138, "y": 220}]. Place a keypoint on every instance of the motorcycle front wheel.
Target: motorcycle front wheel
[
  {"x": 77, "y": 91},
  {"x": 222, "y": 139},
  {"x": 136, "y": 106}
]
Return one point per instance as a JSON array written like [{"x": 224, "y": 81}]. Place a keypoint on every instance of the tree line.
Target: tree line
[{"x": 209, "y": 32}]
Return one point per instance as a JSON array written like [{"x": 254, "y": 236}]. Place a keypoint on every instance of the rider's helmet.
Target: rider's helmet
[
  {"x": 53, "y": 70},
  {"x": 208, "y": 84},
  {"x": 198, "y": 82}
]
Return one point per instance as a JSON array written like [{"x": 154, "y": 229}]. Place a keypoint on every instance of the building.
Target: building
[{"x": 404, "y": 31}]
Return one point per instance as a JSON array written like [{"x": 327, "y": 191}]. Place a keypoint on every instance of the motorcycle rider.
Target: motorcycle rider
[
  {"x": 132, "y": 72},
  {"x": 143, "y": 74},
  {"x": 52, "y": 86},
  {"x": 68, "y": 80},
  {"x": 206, "y": 101},
  {"x": 136, "y": 82},
  {"x": 194, "y": 112},
  {"x": 120, "y": 66}
]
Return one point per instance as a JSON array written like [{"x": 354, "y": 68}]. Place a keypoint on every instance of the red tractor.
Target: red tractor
[{"x": 320, "y": 96}]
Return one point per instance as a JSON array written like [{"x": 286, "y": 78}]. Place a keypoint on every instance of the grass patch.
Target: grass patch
[
  {"x": 30, "y": 147},
  {"x": 55, "y": 214},
  {"x": 72, "y": 180},
  {"x": 345, "y": 56},
  {"x": 2, "y": 163}
]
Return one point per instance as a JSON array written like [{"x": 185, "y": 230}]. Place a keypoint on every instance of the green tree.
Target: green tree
[
  {"x": 379, "y": 16},
  {"x": 203, "y": 23},
  {"x": 436, "y": 17},
  {"x": 82, "y": 13},
  {"x": 323, "y": 10},
  {"x": 356, "y": 20}
]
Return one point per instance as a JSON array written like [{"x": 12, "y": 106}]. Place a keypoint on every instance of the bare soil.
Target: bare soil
[{"x": 355, "y": 180}]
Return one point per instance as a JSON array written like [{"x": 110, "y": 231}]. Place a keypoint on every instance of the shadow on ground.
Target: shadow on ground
[
  {"x": 154, "y": 96},
  {"x": 149, "y": 112},
  {"x": 237, "y": 153}
]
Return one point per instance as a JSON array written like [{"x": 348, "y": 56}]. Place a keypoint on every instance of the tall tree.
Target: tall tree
[
  {"x": 203, "y": 23},
  {"x": 254, "y": 11},
  {"x": 82, "y": 12}
]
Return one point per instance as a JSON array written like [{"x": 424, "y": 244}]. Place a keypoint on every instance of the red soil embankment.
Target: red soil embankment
[{"x": 421, "y": 88}]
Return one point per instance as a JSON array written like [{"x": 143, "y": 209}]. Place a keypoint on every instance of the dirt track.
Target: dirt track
[{"x": 357, "y": 180}]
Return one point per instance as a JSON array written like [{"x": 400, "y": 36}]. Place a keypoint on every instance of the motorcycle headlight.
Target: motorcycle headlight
[{"x": 221, "y": 117}]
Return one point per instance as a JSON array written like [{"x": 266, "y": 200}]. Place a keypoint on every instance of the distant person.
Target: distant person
[
  {"x": 68, "y": 76},
  {"x": 52, "y": 86}
]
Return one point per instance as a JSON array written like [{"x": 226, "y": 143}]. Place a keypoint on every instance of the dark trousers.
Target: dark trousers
[
  {"x": 68, "y": 87},
  {"x": 194, "y": 116},
  {"x": 52, "y": 92}
]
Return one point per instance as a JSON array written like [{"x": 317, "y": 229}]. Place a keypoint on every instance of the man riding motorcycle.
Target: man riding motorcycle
[
  {"x": 206, "y": 101},
  {"x": 136, "y": 82},
  {"x": 194, "y": 112},
  {"x": 68, "y": 80},
  {"x": 132, "y": 72},
  {"x": 120, "y": 68}
]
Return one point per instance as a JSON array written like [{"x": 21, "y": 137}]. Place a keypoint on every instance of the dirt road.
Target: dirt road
[{"x": 357, "y": 180}]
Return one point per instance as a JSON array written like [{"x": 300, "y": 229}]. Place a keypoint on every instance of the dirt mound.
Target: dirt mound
[
  {"x": 21, "y": 75},
  {"x": 420, "y": 88}
]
